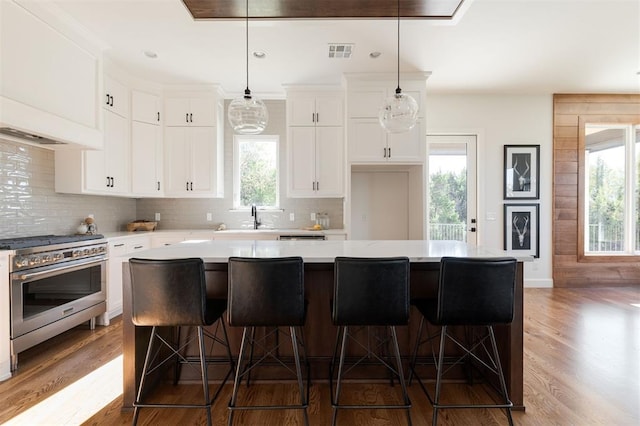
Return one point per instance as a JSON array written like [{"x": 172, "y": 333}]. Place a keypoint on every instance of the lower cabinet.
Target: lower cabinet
[{"x": 120, "y": 250}]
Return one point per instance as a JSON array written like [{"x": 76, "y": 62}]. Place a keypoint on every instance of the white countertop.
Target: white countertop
[{"x": 322, "y": 251}]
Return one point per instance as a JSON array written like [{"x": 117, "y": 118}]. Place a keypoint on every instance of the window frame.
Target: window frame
[
  {"x": 237, "y": 139},
  {"x": 630, "y": 173}
]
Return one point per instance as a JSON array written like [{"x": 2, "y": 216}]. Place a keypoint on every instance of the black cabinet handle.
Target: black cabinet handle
[
  {"x": 111, "y": 104},
  {"x": 186, "y": 117},
  {"x": 313, "y": 185},
  {"x": 113, "y": 182},
  {"x": 187, "y": 188},
  {"x": 385, "y": 153},
  {"x": 191, "y": 117},
  {"x": 108, "y": 99},
  {"x": 317, "y": 186},
  {"x": 317, "y": 117},
  {"x": 108, "y": 181},
  {"x": 158, "y": 116},
  {"x": 389, "y": 152},
  {"x": 191, "y": 186},
  {"x": 158, "y": 185}
]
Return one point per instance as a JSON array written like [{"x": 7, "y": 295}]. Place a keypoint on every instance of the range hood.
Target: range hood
[{"x": 20, "y": 136}]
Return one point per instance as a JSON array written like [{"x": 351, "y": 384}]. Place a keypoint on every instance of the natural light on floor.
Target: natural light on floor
[
  {"x": 637, "y": 305},
  {"x": 79, "y": 401}
]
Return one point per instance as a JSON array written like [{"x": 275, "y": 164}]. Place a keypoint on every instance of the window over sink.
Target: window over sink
[{"x": 256, "y": 171}]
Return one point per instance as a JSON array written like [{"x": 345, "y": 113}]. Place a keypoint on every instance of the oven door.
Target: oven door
[{"x": 41, "y": 296}]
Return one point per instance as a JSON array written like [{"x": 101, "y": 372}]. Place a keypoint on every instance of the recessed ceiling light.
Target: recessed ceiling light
[
  {"x": 374, "y": 55},
  {"x": 259, "y": 54},
  {"x": 150, "y": 54}
]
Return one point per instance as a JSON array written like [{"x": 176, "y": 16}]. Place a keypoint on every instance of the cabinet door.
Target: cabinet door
[
  {"x": 117, "y": 152},
  {"x": 302, "y": 160},
  {"x": 146, "y": 155},
  {"x": 145, "y": 107},
  {"x": 203, "y": 160},
  {"x": 329, "y": 111},
  {"x": 116, "y": 97},
  {"x": 367, "y": 141},
  {"x": 95, "y": 171},
  {"x": 301, "y": 110},
  {"x": 117, "y": 249},
  {"x": 365, "y": 103},
  {"x": 176, "y": 111},
  {"x": 407, "y": 147},
  {"x": 329, "y": 161},
  {"x": 176, "y": 155},
  {"x": 202, "y": 112}
]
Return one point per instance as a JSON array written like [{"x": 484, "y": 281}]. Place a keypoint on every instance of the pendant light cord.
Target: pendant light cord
[
  {"x": 398, "y": 90},
  {"x": 247, "y": 92}
]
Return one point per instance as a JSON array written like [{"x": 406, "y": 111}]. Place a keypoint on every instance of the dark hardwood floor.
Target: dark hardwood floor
[{"x": 582, "y": 367}]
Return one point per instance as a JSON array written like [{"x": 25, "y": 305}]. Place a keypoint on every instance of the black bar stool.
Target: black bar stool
[
  {"x": 369, "y": 292},
  {"x": 267, "y": 292},
  {"x": 172, "y": 293},
  {"x": 471, "y": 292}
]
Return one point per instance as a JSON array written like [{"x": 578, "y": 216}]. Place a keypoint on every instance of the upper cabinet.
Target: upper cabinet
[
  {"x": 195, "y": 111},
  {"x": 194, "y": 145},
  {"x": 315, "y": 109},
  {"x": 146, "y": 145},
  {"x": 49, "y": 75},
  {"x": 116, "y": 97},
  {"x": 368, "y": 142}
]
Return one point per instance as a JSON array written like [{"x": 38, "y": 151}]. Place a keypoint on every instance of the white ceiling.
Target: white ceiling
[{"x": 498, "y": 47}]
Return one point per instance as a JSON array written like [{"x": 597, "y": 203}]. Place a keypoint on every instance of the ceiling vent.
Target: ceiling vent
[{"x": 340, "y": 50}]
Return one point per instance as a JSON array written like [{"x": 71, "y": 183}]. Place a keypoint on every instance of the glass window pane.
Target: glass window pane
[
  {"x": 636, "y": 141},
  {"x": 605, "y": 149},
  {"x": 448, "y": 192},
  {"x": 258, "y": 169}
]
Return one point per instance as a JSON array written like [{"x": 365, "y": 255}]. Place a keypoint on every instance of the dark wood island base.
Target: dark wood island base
[{"x": 319, "y": 332}]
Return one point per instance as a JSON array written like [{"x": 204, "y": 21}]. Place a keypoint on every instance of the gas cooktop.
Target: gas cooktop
[{"x": 44, "y": 240}]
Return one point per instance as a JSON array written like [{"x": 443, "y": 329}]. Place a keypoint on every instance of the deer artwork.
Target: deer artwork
[
  {"x": 523, "y": 232},
  {"x": 522, "y": 180}
]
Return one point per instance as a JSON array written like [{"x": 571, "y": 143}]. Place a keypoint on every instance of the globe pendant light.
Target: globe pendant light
[
  {"x": 247, "y": 115},
  {"x": 399, "y": 112}
]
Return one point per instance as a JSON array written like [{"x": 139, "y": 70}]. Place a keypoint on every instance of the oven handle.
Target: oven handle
[{"x": 24, "y": 277}]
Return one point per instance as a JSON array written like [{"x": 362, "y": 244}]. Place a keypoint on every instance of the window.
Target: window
[
  {"x": 255, "y": 171},
  {"x": 612, "y": 197}
]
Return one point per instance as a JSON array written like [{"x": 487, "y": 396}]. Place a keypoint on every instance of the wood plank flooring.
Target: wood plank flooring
[{"x": 582, "y": 367}]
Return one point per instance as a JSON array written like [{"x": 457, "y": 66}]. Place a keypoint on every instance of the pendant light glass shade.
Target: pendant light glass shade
[
  {"x": 247, "y": 115},
  {"x": 399, "y": 112}
]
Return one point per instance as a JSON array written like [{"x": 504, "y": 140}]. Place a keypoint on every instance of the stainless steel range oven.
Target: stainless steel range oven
[{"x": 57, "y": 282}]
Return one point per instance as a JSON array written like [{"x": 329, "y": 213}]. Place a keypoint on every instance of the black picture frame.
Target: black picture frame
[
  {"x": 522, "y": 229},
  {"x": 521, "y": 172}
]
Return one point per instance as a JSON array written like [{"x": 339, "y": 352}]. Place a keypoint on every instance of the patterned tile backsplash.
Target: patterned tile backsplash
[{"x": 29, "y": 204}]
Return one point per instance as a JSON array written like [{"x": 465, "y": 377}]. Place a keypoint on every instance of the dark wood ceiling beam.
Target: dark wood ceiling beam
[{"x": 323, "y": 9}]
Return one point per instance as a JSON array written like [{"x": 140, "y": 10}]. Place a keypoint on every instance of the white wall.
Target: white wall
[{"x": 503, "y": 120}]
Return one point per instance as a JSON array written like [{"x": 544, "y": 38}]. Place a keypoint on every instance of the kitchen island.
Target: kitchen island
[{"x": 320, "y": 334}]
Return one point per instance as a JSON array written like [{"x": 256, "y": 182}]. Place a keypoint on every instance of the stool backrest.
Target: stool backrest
[
  {"x": 371, "y": 291},
  {"x": 266, "y": 291},
  {"x": 476, "y": 291},
  {"x": 169, "y": 292}
]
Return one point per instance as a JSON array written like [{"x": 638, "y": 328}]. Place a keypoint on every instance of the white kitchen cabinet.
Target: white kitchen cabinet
[
  {"x": 145, "y": 107},
  {"x": 316, "y": 162},
  {"x": 116, "y": 97},
  {"x": 146, "y": 145},
  {"x": 315, "y": 109},
  {"x": 195, "y": 111},
  {"x": 193, "y": 162},
  {"x": 49, "y": 75},
  {"x": 370, "y": 143},
  {"x": 120, "y": 250},
  {"x": 365, "y": 102},
  {"x": 146, "y": 160}
]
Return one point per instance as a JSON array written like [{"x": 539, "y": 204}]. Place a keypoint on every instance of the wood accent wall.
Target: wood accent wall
[{"x": 568, "y": 269}]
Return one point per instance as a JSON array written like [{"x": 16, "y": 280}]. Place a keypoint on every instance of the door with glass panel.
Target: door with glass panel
[{"x": 451, "y": 193}]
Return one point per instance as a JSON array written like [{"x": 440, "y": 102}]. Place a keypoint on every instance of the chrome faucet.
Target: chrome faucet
[{"x": 254, "y": 214}]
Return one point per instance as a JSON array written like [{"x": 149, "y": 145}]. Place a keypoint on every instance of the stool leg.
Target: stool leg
[
  {"x": 236, "y": 382},
  {"x": 405, "y": 394},
  {"x": 443, "y": 335},
  {"x": 205, "y": 376},
  {"x": 147, "y": 361},
  {"x": 414, "y": 356},
  {"x": 296, "y": 355},
  {"x": 343, "y": 351},
  {"x": 503, "y": 383},
  {"x": 176, "y": 371},
  {"x": 253, "y": 339}
]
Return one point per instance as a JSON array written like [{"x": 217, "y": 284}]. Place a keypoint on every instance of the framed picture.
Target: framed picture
[
  {"x": 521, "y": 172},
  {"x": 522, "y": 229}
]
